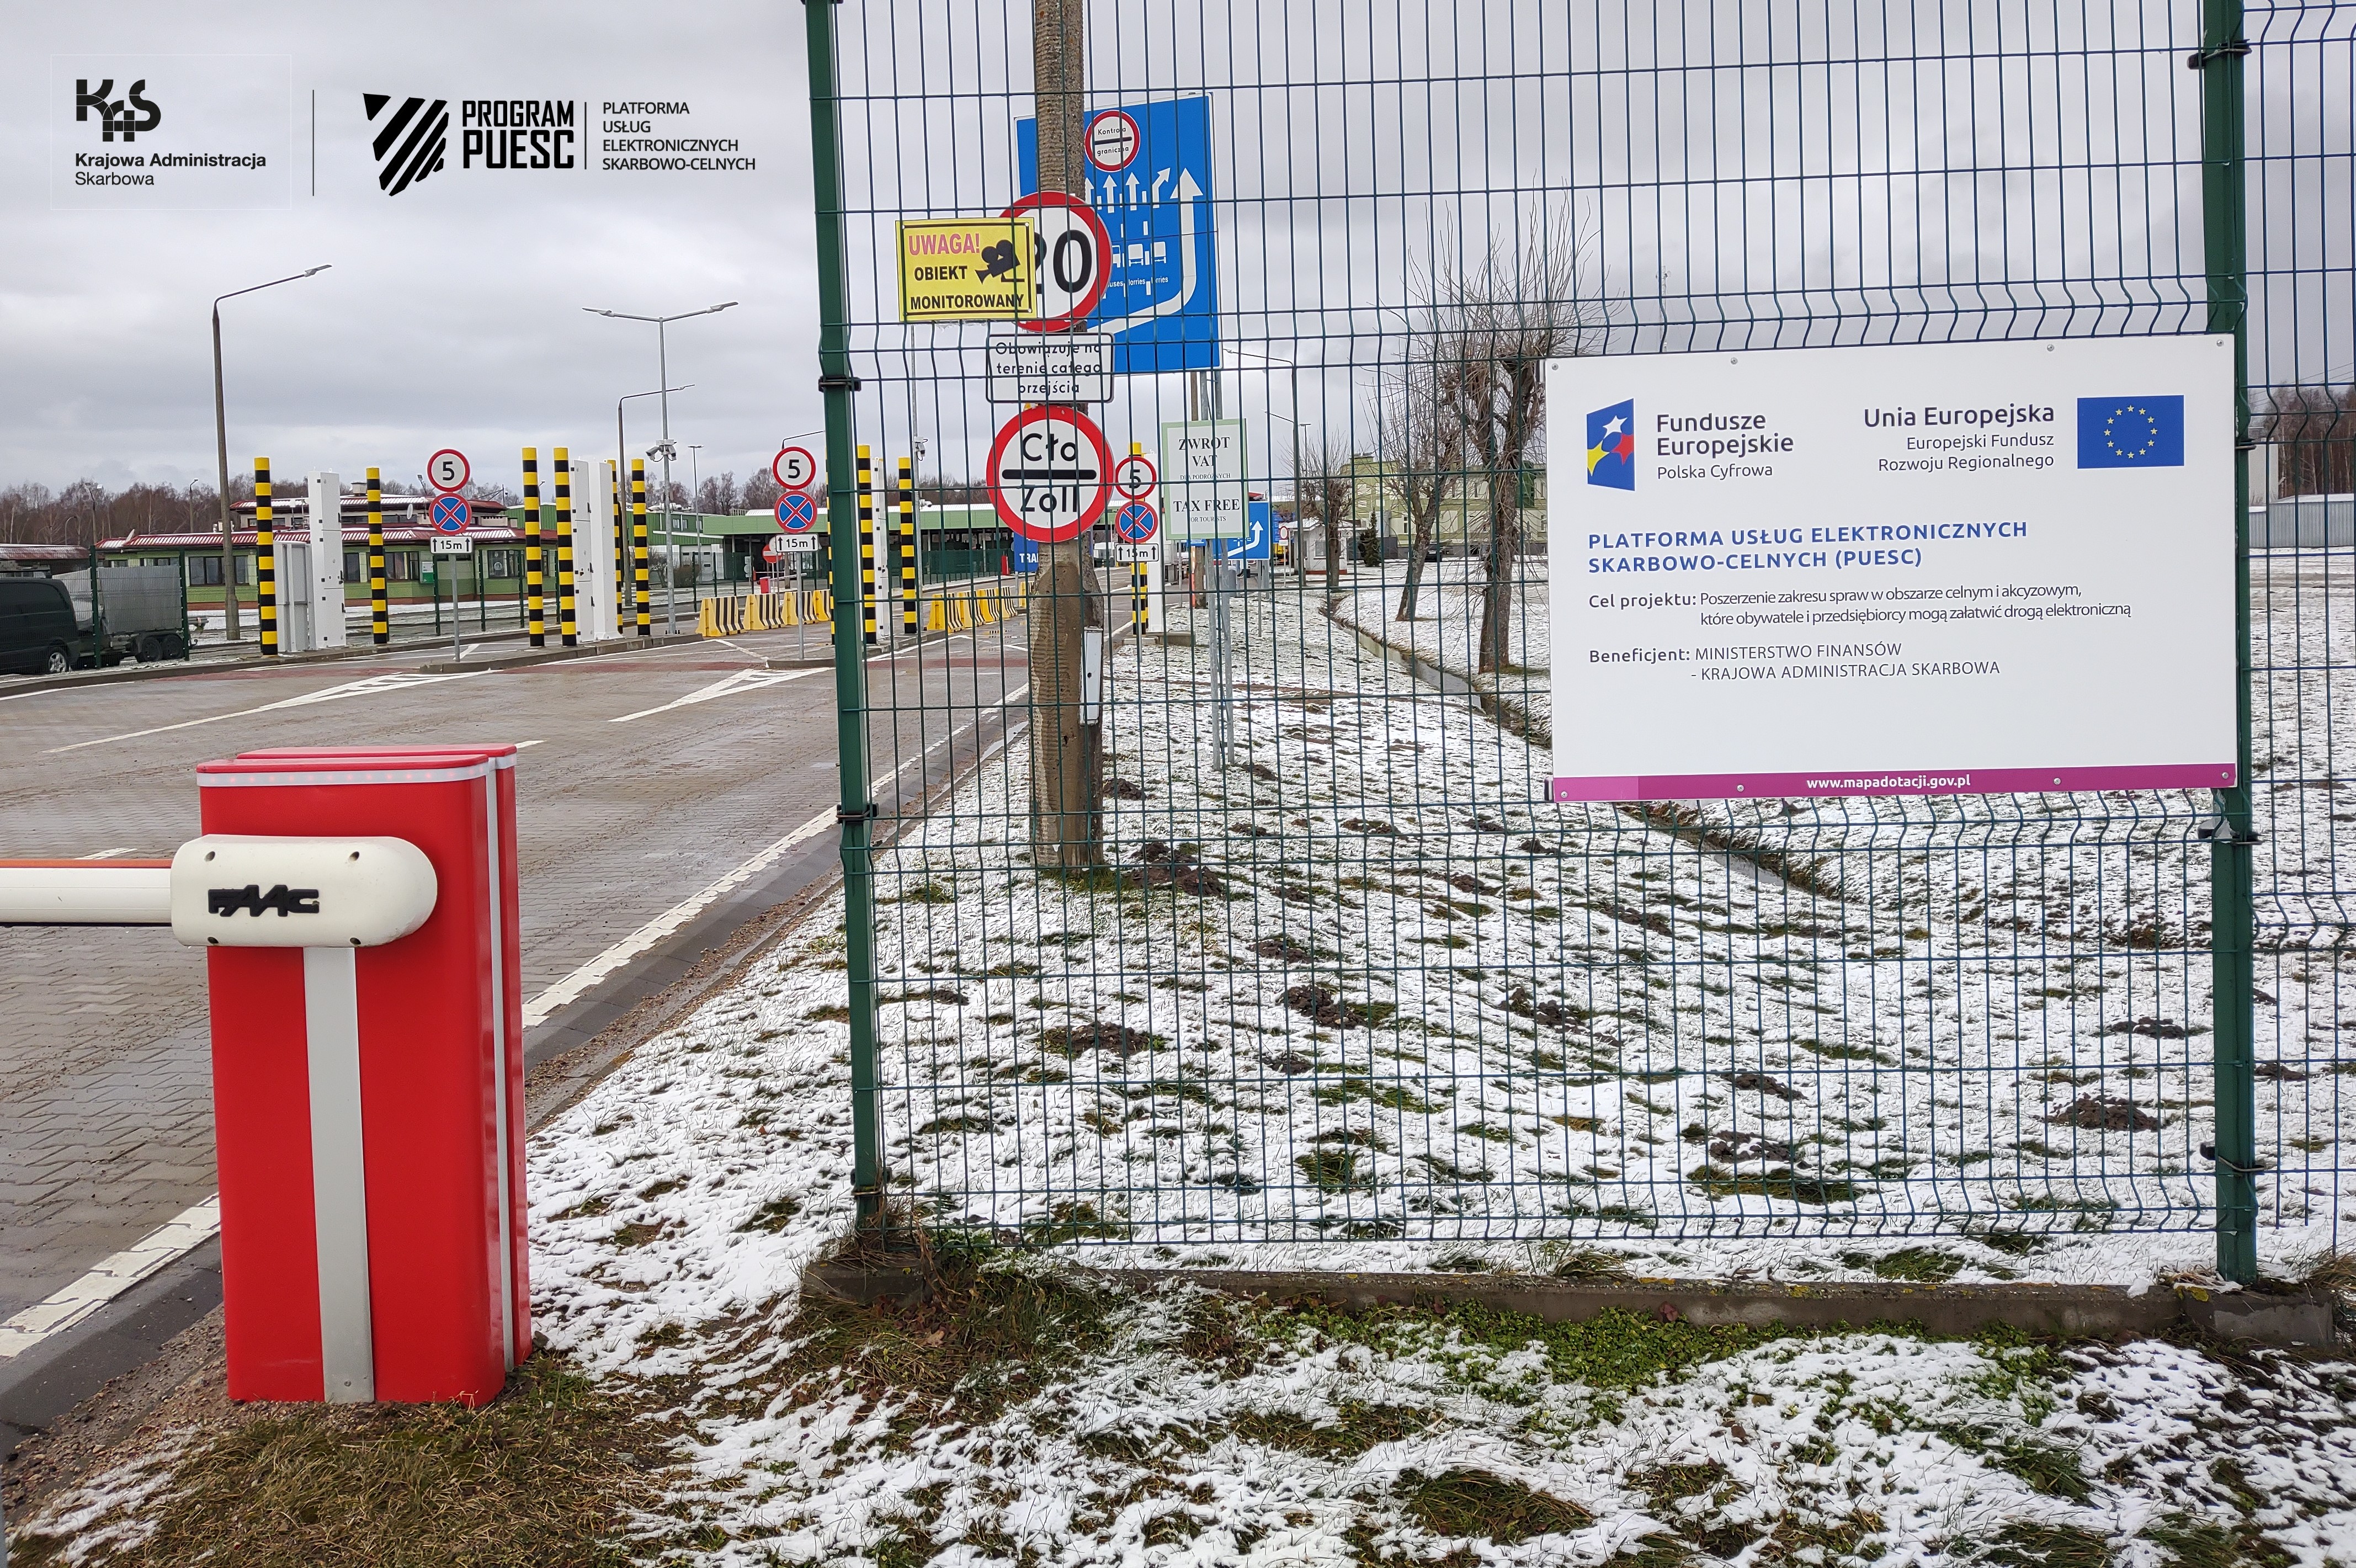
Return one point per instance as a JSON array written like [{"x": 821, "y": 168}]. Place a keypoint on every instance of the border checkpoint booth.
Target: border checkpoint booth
[{"x": 359, "y": 910}]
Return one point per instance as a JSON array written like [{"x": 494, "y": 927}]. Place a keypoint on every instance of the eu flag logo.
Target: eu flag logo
[
  {"x": 1611, "y": 447},
  {"x": 2131, "y": 432}
]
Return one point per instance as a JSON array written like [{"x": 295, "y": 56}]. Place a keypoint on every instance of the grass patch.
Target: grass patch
[
  {"x": 2022, "y": 1545},
  {"x": 983, "y": 1339},
  {"x": 1920, "y": 1265},
  {"x": 1718, "y": 1183},
  {"x": 1350, "y": 1431},
  {"x": 1459, "y": 1503},
  {"x": 1391, "y": 1096},
  {"x": 1333, "y": 1171},
  {"x": 549, "y": 1472}
]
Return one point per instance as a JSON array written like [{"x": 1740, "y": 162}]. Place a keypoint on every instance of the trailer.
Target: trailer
[{"x": 135, "y": 612}]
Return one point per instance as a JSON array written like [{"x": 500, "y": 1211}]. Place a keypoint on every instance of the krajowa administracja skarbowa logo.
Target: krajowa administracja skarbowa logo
[
  {"x": 125, "y": 116},
  {"x": 170, "y": 131}
]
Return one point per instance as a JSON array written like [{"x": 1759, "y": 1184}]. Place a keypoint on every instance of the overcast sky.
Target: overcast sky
[
  {"x": 452, "y": 313},
  {"x": 1772, "y": 199}
]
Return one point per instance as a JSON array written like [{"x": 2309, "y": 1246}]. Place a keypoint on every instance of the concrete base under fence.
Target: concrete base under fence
[{"x": 2302, "y": 1319}]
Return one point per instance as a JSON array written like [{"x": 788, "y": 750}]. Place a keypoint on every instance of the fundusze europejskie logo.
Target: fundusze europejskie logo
[
  {"x": 408, "y": 145},
  {"x": 1611, "y": 447},
  {"x": 125, "y": 116}
]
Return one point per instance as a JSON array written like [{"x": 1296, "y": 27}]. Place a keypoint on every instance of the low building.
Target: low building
[{"x": 1462, "y": 524}]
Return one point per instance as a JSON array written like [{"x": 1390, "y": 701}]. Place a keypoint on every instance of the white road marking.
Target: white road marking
[
  {"x": 106, "y": 853},
  {"x": 528, "y": 745},
  {"x": 109, "y": 1278},
  {"x": 538, "y": 1009},
  {"x": 399, "y": 679},
  {"x": 726, "y": 686}
]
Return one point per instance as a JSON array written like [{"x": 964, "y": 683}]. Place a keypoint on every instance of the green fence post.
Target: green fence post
[
  {"x": 857, "y": 813},
  {"x": 2232, "y": 977}
]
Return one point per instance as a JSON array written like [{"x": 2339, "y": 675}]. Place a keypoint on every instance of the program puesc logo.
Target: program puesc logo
[{"x": 1611, "y": 447}]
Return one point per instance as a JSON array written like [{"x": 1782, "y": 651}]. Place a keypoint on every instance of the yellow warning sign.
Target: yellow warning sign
[{"x": 965, "y": 269}]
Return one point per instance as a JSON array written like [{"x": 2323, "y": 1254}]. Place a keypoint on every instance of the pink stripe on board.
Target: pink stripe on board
[{"x": 1886, "y": 781}]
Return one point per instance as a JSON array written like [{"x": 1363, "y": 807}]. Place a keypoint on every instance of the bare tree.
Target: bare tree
[
  {"x": 1423, "y": 441},
  {"x": 1323, "y": 480},
  {"x": 2314, "y": 430},
  {"x": 1499, "y": 317},
  {"x": 761, "y": 492}
]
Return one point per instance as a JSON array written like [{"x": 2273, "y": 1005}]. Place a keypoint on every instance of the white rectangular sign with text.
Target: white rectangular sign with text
[{"x": 1921, "y": 569}]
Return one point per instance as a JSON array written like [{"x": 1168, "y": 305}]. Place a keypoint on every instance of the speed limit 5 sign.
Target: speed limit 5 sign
[
  {"x": 447, "y": 470},
  {"x": 1049, "y": 472}
]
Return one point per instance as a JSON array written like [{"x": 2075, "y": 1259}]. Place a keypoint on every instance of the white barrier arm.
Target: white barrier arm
[
  {"x": 85, "y": 892},
  {"x": 237, "y": 890}
]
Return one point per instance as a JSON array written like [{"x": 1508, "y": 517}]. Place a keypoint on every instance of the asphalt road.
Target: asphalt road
[{"x": 647, "y": 778}]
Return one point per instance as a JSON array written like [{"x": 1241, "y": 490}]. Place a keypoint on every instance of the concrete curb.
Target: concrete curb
[
  {"x": 552, "y": 655},
  {"x": 2300, "y": 1319}
]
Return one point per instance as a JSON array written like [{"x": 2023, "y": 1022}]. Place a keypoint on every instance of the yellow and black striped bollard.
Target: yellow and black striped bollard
[
  {"x": 907, "y": 548},
  {"x": 535, "y": 578},
  {"x": 567, "y": 627},
  {"x": 639, "y": 552},
  {"x": 379, "y": 605},
  {"x": 1139, "y": 582},
  {"x": 617, "y": 607},
  {"x": 265, "y": 558},
  {"x": 866, "y": 544}
]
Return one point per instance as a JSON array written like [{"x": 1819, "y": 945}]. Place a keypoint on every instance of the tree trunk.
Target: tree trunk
[
  {"x": 1419, "y": 547},
  {"x": 1066, "y": 768},
  {"x": 1495, "y": 647}
]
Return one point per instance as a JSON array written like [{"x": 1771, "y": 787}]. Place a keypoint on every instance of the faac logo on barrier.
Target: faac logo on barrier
[
  {"x": 116, "y": 115},
  {"x": 227, "y": 901}
]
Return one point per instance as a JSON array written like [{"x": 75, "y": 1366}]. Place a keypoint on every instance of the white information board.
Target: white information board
[
  {"x": 1075, "y": 368},
  {"x": 1924, "y": 569},
  {"x": 1203, "y": 479}
]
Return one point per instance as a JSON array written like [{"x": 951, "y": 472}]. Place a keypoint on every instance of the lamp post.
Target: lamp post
[
  {"x": 662, "y": 381},
  {"x": 221, "y": 440}
]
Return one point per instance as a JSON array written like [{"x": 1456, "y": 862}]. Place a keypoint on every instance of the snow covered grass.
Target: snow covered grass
[
  {"x": 1448, "y": 623},
  {"x": 1036, "y": 1412},
  {"x": 2081, "y": 921},
  {"x": 1364, "y": 999}
]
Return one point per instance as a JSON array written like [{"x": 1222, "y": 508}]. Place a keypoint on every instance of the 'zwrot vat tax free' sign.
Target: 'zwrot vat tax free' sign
[{"x": 1936, "y": 569}]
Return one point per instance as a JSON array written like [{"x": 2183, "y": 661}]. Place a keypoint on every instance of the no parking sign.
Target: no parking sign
[{"x": 1135, "y": 522}]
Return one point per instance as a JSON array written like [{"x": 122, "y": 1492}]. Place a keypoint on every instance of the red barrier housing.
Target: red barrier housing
[{"x": 368, "y": 1101}]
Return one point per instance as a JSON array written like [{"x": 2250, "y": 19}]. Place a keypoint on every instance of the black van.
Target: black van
[{"x": 37, "y": 627}]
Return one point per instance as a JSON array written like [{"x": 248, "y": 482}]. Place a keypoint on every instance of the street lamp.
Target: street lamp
[
  {"x": 220, "y": 438},
  {"x": 621, "y": 468},
  {"x": 662, "y": 381}
]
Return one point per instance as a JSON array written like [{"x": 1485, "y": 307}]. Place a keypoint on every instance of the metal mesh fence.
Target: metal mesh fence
[{"x": 1295, "y": 948}]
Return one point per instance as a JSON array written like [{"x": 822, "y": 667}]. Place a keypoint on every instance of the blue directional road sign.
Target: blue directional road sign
[
  {"x": 1135, "y": 522},
  {"x": 797, "y": 513},
  {"x": 1161, "y": 300},
  {"x": 1026, "y": 553},
  {"x": 450, "y": 514},
  {"x": 1259, "y": 542}
]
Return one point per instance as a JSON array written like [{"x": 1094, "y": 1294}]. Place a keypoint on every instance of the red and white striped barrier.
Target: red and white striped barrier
[{"x": 368, "y": 1059}]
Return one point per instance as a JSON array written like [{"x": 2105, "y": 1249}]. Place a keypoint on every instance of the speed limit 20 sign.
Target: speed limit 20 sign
[
  {"x": 1049, "y": 472},
  {"x": 1071, "y": 253},
  {"x": 446, "y": 470}
]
